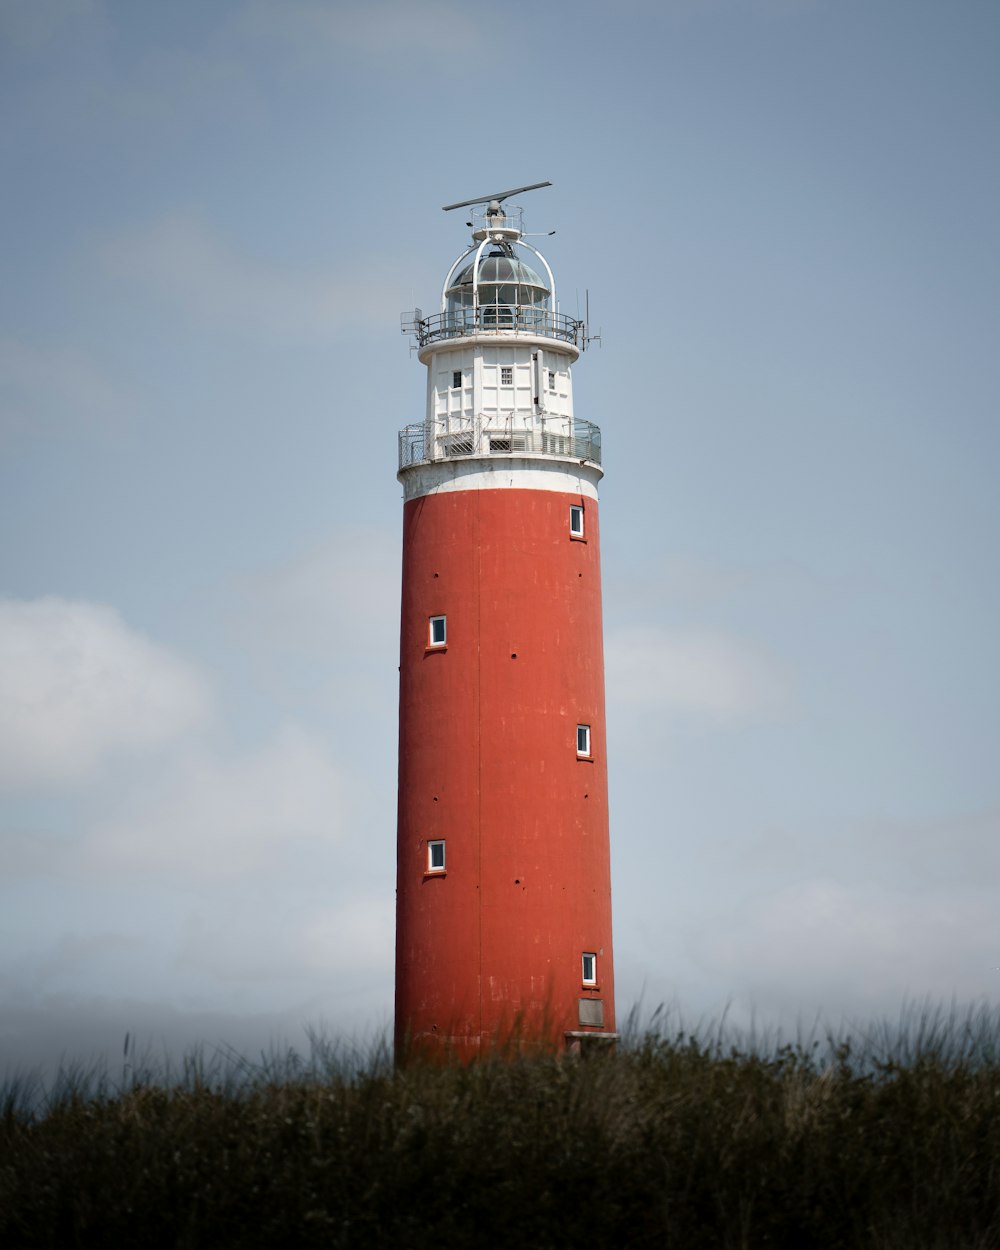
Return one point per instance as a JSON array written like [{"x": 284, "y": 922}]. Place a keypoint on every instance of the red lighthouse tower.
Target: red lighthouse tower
[{"x": 503, "y": 912}]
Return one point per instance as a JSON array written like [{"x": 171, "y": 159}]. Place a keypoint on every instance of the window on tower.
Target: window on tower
[
  {"x": 456, "y": 379},
  {"x": 506, "y": 375},
  {"x": 583, "y": 740},
  {"x": 438, "y": 635},
  {"x": 576, "y": 520},
  {"x": 435, "y": 856},
  {"x": 589, "y": 969},
  {"x": 552, "y": 380}
]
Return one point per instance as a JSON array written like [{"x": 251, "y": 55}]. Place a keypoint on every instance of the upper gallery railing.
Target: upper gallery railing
[{"x": 493, "y": 319}]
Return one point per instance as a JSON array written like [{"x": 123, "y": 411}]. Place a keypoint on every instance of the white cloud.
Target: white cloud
[
  {"x": 320, "y": 632},
  {"x": 358, "y": 936},
  {"x": 852, "y": 923},
  {"x": 212, "y": 819},
  {"x": 179, "y": 259},
  {"x": 822, "y": 943},
  {"x": 343, "y": 593},
  {"x": 49, "y": 389},
  {"x": 28, "y": 25},
  {"x": 693, "y": 9},
  {"x": 78, "y": 685},
  {"x": 302, "y": 944},
  {"x": 73, "y": 952},
  {"x": 375, "y": 30},
  {"x": 42, "y": 1033},
  {"x": 692, "y": 671}
]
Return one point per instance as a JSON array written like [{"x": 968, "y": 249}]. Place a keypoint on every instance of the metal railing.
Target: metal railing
[
  {"x": 502, "y": 319},
  {"x": 419, "y": 444},
  {"x": 509, "y": 219}
]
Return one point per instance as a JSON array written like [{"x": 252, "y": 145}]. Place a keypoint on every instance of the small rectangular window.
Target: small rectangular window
[
  {"x": 583, "y": 739},
  {"x": 438, "y": 631},
  {"x": 589, "y": 968},
  {"x": 456, "y": 379},
  {"x": 435, "y": 856},
  {"x": 552, "y": 380},
  {"x": 576, "y": 520},
  {"x": 506, "y": 375}
]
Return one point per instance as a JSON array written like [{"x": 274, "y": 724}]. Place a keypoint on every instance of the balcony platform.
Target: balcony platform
[{"x": 578, "y": 440}]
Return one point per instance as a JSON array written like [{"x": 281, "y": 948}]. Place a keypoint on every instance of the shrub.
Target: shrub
[{"x": 887, "y": 1139}]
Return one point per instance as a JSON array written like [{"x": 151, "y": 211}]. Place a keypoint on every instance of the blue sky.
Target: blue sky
[{"x": 785, "y": 213}]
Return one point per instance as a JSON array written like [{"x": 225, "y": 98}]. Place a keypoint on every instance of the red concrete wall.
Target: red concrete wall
[{"x": 487, "y": 761}]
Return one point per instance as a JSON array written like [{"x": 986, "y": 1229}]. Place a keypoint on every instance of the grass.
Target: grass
[{"x": 887, "y": 1138}]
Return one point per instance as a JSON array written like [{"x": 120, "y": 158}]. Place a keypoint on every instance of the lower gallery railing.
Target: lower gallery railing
[{"x": 421, "y": 444}]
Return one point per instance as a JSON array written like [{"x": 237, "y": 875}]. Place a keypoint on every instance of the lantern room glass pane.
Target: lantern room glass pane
[{"x": 502, "y": 280}]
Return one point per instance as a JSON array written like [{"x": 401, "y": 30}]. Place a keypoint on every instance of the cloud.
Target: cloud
[
  {"x": 824, "y": 943},
  {"x": 73, "y": 952},
  {"x": 304, "y": 945},
  {"x": 375, "y": 31},
  {"x": 848, "y": 922},
  {"x": 343, "y": 593},
  {"x": 77, "y": 685},
  {"x": 180, "y": 260},
  {"x": 693, "y": 9},
  {"x": 28, "y": 25},
  {"x": 211, "y": 819},
  {"x": 40, "y": 1034},
  {"x": 691, "y": 671},
  {"x": 356, "y": 937},
  {"x": 320, "y": 632},
  {"x": 43, "y": 390}
]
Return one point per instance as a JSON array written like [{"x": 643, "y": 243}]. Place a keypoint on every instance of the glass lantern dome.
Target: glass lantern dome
[{"x": 507, "y": 291}]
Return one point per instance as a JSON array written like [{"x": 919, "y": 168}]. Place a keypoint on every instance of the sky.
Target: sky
[{"x": 784, "y": 214}]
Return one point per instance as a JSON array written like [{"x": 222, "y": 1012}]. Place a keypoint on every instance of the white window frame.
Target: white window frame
[
  {"x": 583, "y": 748},
  {"x": 506, "y": 375},
  {"x": 592, "y": 957},
  {"x": 552, "y": 379},
  {"x": 443, "y": 640},
  {"x": 434, "y": 844},
  {"x": 576, "y": 520},
  {"x": 456, "y": 379}
]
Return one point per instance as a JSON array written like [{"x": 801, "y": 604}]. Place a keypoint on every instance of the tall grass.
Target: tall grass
[{"x": 887, "y": 1137}]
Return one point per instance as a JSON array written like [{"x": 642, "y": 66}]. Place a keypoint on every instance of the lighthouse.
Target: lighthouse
[{"x": 503, "y": 893}]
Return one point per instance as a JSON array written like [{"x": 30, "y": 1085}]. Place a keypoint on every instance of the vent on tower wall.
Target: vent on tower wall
[
  {"x": 507, "y": 442},
  {"x": 591, "y": 1012}
]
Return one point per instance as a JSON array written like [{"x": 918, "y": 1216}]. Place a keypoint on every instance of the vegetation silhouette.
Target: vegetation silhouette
[{"x": 885, "y": 1137}]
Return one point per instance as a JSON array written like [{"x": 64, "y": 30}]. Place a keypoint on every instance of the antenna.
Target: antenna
[
  {"x": 587, "y": 336},
  {"x": 499, "y": 197}
]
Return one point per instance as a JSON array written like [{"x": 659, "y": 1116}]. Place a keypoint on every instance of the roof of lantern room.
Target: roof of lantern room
[{"x": 494, "y": 289}]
